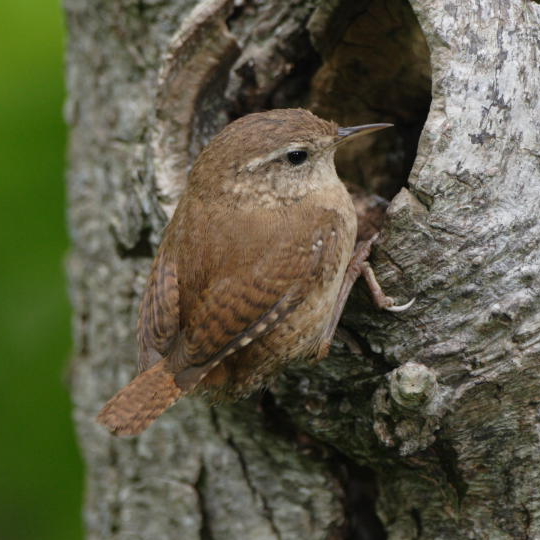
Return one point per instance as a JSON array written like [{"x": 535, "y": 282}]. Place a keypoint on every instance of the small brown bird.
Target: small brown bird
[{"x": 254, "y": 268}]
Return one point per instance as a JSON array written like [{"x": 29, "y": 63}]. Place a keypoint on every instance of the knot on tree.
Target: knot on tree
[{"x": 408, "y": 407}]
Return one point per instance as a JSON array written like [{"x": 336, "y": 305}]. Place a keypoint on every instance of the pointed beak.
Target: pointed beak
[{"x": 346, "y": 134}]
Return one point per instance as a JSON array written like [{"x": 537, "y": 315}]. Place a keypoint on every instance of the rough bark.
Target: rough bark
[{"x": 419, "y": 425}]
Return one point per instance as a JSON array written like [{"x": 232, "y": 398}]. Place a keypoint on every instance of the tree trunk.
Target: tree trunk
[{"x": 419, "y": 425}]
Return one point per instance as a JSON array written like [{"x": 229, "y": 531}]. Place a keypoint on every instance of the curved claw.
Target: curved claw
[{"x": 404, "y": 307}]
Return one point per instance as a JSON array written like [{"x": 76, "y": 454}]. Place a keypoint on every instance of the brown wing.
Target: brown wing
[
  {"x": 159, "y": 317},
  {"x": 235, "y": 310}
]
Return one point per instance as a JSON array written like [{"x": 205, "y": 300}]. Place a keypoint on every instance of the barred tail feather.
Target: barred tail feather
[{"x": 138, "y": 404}]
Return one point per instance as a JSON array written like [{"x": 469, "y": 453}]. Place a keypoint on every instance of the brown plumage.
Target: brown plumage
[{"x": 250, "y": 268}]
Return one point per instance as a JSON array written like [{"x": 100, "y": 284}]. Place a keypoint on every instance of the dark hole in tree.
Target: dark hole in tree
[
  {"x": 361, "y": 493},
  {"x": 372, "y": 65},
  {"x": 379, "y": 71}
]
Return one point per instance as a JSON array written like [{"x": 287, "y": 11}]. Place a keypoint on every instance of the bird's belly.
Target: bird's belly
[
  {"x": 297, "y": 337},
  {"x": 300, "y": 334}
]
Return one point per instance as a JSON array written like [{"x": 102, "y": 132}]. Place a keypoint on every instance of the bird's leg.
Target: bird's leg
[{"x": 358, "y": 266}]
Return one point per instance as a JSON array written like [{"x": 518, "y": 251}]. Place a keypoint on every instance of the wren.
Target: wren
[{"x": 254, "y": 268}]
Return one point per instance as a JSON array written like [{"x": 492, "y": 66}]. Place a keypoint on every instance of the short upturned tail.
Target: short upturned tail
[{"x": 138, "y": 404}]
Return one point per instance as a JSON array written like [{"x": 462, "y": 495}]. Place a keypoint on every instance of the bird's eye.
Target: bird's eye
[{"x": 297, "y": 157}]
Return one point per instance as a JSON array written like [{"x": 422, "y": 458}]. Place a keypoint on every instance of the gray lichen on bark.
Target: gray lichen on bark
[{"x": 440, "y": 403}]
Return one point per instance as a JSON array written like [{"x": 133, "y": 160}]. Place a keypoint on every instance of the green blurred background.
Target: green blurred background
[{"x": 40, "y": 468}]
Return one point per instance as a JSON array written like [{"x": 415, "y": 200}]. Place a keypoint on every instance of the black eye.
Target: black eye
[{"x": 297, "y": 157}]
